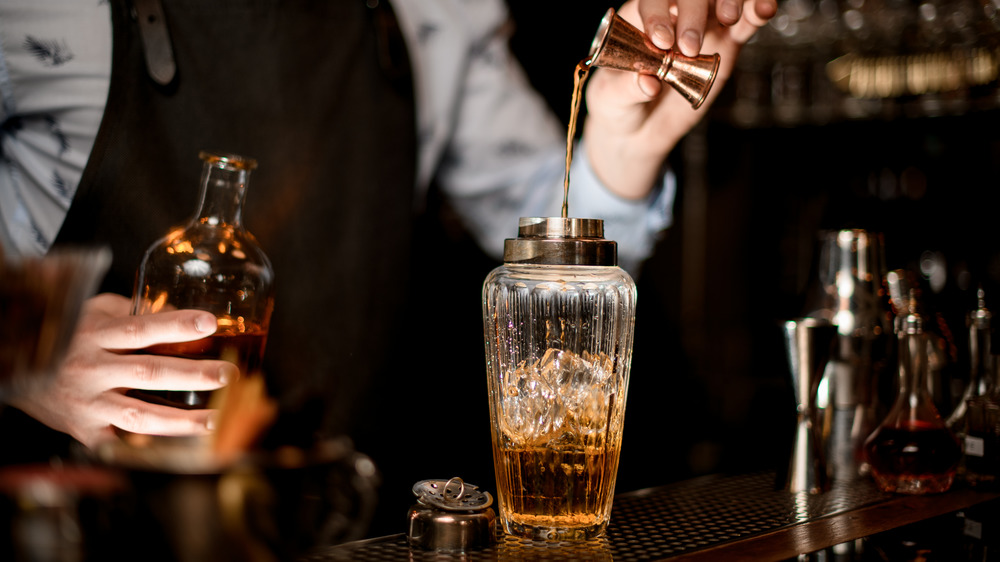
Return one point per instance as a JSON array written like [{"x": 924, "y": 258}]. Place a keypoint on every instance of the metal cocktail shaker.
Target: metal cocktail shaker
[
  {"x": 850, "y": 272},
  {"x": 558, "y": 317}
]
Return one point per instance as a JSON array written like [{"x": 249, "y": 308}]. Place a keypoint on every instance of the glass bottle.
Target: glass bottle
[
  {"x": 212, "y": 263},
  {"x": 976, "y": 420},
  {"x": 912, "y": 451},
  {"x": 981, "y": 447},
  {"x": 982, "y": 365},
  {"x": 558, "y": 318}
]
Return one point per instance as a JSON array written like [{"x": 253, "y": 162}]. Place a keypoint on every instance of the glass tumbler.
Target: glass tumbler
[{"x": 559, "y": 317}]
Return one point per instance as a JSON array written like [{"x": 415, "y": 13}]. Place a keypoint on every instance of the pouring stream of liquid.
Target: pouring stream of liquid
[{"x": 579, "y": 78}]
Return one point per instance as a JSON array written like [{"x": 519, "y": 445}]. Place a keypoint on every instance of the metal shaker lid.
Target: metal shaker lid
[
  {"x": 560, "y": 241},
  {"x": 450, "y": 515}
]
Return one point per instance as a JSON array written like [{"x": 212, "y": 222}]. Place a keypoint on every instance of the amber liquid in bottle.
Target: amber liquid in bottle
[
  {"x": 243, "y": 349},
  {"x": 917, "y": 455}
]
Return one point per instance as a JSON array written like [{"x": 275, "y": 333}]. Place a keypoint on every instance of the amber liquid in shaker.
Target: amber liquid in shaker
[{"x": 554, "y": 488}]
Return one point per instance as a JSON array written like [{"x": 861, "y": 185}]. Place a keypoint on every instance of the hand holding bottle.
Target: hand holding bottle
[{"x": 86, "y": 398}]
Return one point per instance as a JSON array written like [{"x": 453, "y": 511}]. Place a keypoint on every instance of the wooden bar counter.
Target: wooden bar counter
[{"x": 743, "y": 517}]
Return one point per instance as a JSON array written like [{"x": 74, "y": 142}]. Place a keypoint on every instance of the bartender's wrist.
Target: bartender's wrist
[{"x": 629, "y": 167}]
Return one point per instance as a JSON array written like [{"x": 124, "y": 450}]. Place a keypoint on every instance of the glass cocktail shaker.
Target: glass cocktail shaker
[{"x": 559, "y": 317}]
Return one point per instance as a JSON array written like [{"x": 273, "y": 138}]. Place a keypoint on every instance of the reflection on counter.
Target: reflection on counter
[{"x": 971, "y": 534}]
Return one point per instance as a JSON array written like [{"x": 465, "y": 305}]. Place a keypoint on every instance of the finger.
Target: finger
[
  {"x": 160, "y": 372},
  {"x": 692, "y": 17},
  {"x": 650, "y": 86},
  {"x": 728, "y": 12},
  {"x": 756, "y": 13},
  {"x": 138, "y": 332},
  {"x": 141, "y": 417},
  {"x": 654, "y": 18},
  {"x": 111, "y": 304},
  {"x": 763, "y": 10},
  {"x": 616, "y": 88}
]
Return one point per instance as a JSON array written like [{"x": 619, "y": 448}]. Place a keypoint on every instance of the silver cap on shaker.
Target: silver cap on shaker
[{"x": 560, "y": 241}]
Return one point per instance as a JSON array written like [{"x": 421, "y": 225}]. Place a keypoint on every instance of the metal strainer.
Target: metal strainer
[{"x": 450, "y": 515}]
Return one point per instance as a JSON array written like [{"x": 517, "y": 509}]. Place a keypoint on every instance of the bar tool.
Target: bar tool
[
  {"x": 451, "y": 516},
  {"x": 620, "y": 45},
  {"x": 850, "y": 272},
  {"x": 809, "y": 343}
]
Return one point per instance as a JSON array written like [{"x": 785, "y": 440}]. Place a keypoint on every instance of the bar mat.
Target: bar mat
[{"x": 652, "y": 524}]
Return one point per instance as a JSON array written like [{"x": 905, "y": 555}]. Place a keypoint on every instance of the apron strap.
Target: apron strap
[{"x": 156, "y": 41}]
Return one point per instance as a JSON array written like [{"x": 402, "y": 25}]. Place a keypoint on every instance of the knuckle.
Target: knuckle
[
  {"x": 146, "y": 369},
  {"x": 134, "y": 331},
  {"x": 74, "y": 362},
  {"x": 81, "y": 369},
  {"x": 134, "y": 419}
]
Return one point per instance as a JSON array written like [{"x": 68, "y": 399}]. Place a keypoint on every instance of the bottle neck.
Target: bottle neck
[
  {"x": 223, "y": 193},
  {"x": 982, "y": 378},
  {"x": 913, "y": 366}
]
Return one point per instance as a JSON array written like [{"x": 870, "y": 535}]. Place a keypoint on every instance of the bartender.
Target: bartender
[{"x": 356, "y": 111}]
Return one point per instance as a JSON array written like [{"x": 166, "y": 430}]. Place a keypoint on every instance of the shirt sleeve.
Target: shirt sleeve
[
  {"x": 55, "y": 68},
  {"x": 635, "y": 224},
  {"x": 505, "y": 159}
]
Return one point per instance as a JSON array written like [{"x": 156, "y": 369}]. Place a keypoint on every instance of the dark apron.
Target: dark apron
[{"x": 320, "y": 93}]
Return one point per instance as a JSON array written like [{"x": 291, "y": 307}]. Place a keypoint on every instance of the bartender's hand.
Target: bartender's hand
[
  {"x": 86, "y": 398},
  {"x": 633, "y": 120}
]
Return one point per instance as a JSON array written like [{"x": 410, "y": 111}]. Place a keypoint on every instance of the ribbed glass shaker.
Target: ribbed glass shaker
[{"x": 559, "y": 316}]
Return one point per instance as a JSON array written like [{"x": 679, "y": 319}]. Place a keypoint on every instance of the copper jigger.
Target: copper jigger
[{"x": 620, "y": 45}]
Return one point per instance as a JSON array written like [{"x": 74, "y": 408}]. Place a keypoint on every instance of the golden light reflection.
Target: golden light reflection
[
  {"x": 892, "y": 76},
  {"x": 181, "y": 247},
  {"x": 159, "y": 302},
  {"x": 801, "y": 507}
]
